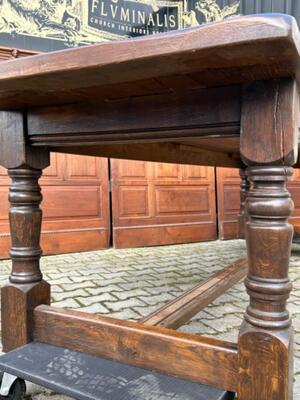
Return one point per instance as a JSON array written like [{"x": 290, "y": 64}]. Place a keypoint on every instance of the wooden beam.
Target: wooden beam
[
  {"x": 177, "y": 312},
  {"x": 158, "y": 116},
  {"x": 271, "y": 107},
  {"x": 192, "y": 357},
  {"x": 167, "y": 152}
]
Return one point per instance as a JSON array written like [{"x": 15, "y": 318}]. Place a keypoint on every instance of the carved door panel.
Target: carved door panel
[
  {"x": 228, "y": 195},
  {"x": 154, "y": 203},
  {"x": 75, "y": 205}
]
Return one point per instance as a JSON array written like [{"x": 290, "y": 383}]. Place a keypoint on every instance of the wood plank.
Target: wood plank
[
  {"x": 157, "y": 152},
  {"x": 271, "y": 113},
  {"x": 186, "y": 356},
  {"x": 177, "y": 312},
  {"x": 159, "y": 235},
  {"x": 234, "y": 50},
  {"x": 194, "y": 113}
]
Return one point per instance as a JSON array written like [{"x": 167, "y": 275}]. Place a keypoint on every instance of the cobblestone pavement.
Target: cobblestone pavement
[{"x": 131, "y": 283}]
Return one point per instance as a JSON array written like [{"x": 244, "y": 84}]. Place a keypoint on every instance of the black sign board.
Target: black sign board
[{"x": 46, "y": 25}]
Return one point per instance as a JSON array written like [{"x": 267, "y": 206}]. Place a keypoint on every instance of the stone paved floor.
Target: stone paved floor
[{"x": 131, "y": 283}]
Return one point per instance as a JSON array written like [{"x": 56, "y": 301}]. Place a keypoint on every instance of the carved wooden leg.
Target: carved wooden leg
[
  {"x": 269, "y": 147},
  {"x": 26, "y": 288},
  {"x": 243, "y": 195},
  {"x": 266, "y": 338}
]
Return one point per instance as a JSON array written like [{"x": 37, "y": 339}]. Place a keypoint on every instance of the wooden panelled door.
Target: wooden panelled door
[
  {"x": 75, "y": 205},
  {"x": 294, "y": 188},
  {"x": 228, "y": 195},
  {"x": 154, "y": 203}
]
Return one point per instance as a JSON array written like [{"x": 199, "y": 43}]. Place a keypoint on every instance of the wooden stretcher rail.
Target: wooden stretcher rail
[
  {"x": 199, "y": 359},
  {"x": 177, "y": 312}
]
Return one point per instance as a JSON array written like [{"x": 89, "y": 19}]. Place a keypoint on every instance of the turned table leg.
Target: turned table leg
[
  {"x": 265, "y": 344},
  {"x": 266, "y": 337},
  {"x": 245, "y": 186},
  {"x": 26, "y": 288}
]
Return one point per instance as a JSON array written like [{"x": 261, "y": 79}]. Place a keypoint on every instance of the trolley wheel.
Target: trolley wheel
[{"x": 17, "y": 391}]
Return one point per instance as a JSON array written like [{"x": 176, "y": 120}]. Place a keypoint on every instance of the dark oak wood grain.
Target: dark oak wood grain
[
  {"x": 249, "y": 48},
  {"x": 18, "y": 303},
  {"x": 131, "y": 104},
  {"x": 192, "y": 357},
  {"x": 25, "y": 289},
  {"x": 271, "y": 113},
  {"x": 14, "y": 150},
  {"x": 266, "y": 331},
  {"x": 161, "y": 116},
  {"x": 152, "y": 125},
  {"x": 269, "y": 146},
  {"x": 177, "y": 312}
]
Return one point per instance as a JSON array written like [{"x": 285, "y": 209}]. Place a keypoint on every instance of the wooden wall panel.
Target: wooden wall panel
[
  {"x": 4, "y": 207},
  {"x": 294, "y": 188},
  {"x": 155, "y": 203},
  {"x": 228, "y": 195},
  {"x": 76, "y": 204}
]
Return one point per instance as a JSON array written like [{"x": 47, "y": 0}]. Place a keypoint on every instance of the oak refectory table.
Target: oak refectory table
[{"x": 224, "y": 94}]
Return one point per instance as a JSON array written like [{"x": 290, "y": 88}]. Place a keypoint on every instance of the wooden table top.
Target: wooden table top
[
  {"x": 224, "y": 53},
  {"x": 166, "y": 98}
]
